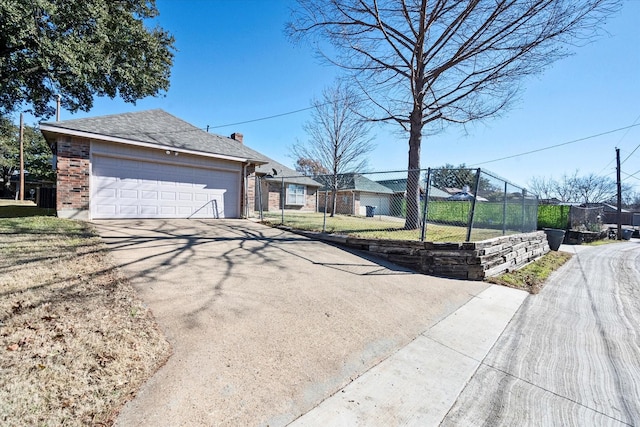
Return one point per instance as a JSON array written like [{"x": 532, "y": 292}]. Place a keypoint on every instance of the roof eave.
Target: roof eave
[{"x": 44, "y": 128}]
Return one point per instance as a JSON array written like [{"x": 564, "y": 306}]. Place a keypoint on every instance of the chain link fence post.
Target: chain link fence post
[
  {"x": 282, "y": 199},
  {"x": 504, "y": 209},
  {"x": 324, "y": 215},
  {"x": 260, "y": 208},
  {"x": 473, "y": 205},
  {"x": 425, "y": 206}
]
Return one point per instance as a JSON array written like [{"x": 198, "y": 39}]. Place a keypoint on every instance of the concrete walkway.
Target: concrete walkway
[
  {"x": 418, "y": 384},
  {"x": 270, "y": 328}
]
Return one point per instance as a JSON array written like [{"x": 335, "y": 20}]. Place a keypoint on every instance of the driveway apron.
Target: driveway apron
[{"x": 265, "y": 324}]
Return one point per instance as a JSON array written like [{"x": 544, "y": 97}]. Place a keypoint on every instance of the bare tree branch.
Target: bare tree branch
[
  {"x": 338, "y": 136},
  {"x": 448, "y": 61}
]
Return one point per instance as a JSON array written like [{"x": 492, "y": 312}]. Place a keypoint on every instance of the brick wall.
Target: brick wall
[
  {"x": 272, "y": 201},
  {"x": 344, "y": 202},
  {"x": 248, "y": 200},
  {"x": 72, "y": 192},
  {"x": 471, "y": 261}
]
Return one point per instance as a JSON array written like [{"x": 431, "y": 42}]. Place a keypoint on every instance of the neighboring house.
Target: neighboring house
[
  {"x": 463, "y": 195},
  {"x": 148, "y": 164},
  {"x": 300, "y": 192},
  {"x": 355, "y": 193},
  {"x": 399, "y": 188}
]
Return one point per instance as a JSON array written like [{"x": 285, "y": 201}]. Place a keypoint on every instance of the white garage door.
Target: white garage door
[
  {"x": 123, "y": 188},
  {"x": 380, "y": 201}
]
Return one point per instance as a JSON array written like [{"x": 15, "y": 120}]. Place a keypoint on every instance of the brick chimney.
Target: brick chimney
[{"x": 237, "y": 136}]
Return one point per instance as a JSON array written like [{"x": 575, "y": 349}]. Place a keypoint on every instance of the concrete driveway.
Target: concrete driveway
[{"x": 265, "y": 324}]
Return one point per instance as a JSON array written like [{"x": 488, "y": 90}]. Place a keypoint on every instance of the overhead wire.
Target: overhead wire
[
  {"x": 557, "y": 145},
  {"x": 378, "y": 89},
  {"x": 635, "y": 149}
]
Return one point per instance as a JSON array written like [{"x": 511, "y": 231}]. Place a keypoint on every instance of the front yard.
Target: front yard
[
  {"x": 75, "y": 341},
  {"x": 378, "y": 227}
]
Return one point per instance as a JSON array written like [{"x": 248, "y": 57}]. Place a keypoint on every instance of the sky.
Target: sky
[{"x": 234, "y": 66}]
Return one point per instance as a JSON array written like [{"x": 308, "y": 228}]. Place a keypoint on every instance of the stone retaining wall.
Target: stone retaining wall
[{"x": 472, "y": 260}]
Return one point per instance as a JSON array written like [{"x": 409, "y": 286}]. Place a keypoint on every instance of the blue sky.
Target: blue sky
[{"x": 234, "y": 65}]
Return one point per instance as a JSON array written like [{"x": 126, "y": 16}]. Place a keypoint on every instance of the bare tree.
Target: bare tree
[
  {"x": 574, "y": 188},
  {"x": 565, "y": 189},
  {"x": 596, "y": 189},
  {"x": 338, "y": 136},
  {"x": 542, "y": 187},
  {"x": 427, "y": 63}
]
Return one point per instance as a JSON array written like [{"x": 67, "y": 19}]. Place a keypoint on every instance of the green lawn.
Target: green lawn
[
  {"x": 532, "y": 276},
  {"x": 387, "y": 228}
]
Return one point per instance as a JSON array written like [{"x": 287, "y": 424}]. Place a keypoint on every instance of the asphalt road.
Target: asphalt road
[{"x": 571, "y": 355}]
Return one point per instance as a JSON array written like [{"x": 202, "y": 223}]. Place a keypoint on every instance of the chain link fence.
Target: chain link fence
[{"x": 458, "y": 204}]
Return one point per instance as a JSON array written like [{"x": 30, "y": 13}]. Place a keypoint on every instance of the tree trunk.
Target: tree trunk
[
  {"x": 412, "y": 220},
  {"x": 334, "y": 193},
  {"x": 334, "y": 199}
]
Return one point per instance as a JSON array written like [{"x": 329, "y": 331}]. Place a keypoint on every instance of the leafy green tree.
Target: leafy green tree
[
  {"x": 79, "y": 49},
  {"x": 450, "y": 176},
  {"x": 37, "y": 154}
]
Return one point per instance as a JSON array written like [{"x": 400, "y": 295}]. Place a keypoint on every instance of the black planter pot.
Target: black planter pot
[{"x": 554, "y": 237}]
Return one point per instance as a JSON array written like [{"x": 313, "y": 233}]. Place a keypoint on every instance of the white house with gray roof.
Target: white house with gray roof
[{"x": 148, "y": 164}]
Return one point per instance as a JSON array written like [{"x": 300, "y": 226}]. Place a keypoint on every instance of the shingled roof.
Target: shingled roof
[
  {"x": 155, "y": 127},
  {"x": 355, "y": 182},
  {"x": 282, "y": 172}
]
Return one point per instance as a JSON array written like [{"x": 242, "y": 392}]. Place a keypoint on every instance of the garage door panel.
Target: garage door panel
[
  {"x": 127, "y": 209},
  {"x": 125, "y": 188},
  {"x": 129, "y": 194},
  {"x": 168, "y": 210},
  {"x": 149, "y": 195}
]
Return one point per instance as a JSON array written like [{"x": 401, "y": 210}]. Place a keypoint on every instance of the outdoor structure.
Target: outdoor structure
[
  {"x": 148, "y": 164},
  {"x": 355, "y": 193},
  {"x": 468, "y": 261},
  {"x": 273, "y": 183}
]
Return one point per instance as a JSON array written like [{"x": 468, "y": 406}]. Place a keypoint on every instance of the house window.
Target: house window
[{"x": 295, "y": 194}]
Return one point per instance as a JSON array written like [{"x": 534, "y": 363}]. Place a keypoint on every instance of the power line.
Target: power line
[
  {"x": 316, "y": 105},
  {"x": 625, "y": 134},
  {"x": 263, "y": 118},
  {"x": 556, "y": 145},
  {"x": 619, "y": 141},
  {"x": 631, "y": 154}
]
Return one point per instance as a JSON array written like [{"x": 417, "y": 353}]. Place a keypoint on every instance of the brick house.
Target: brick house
[
  {"x": 148, "y": 164},
  {"x": 274, "y": 183},
  {"x": 355, "y": 193}
]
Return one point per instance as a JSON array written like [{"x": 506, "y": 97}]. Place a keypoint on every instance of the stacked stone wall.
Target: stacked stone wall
[{"x": 470, "y": 261}]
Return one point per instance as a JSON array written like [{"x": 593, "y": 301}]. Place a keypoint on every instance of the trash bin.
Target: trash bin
[
  {"x": 554, "y": 237},
  {"x": 627, "y": 233},
  {"x": 371, "y": 211}
]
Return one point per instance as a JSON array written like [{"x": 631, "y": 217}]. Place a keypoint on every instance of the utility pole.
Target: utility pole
[
  {"x": 21, "y": 190},
  {"x": 619, "y": 183}
]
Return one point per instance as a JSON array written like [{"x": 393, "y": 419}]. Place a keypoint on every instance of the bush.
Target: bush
[{"x": 553, "y": 216}]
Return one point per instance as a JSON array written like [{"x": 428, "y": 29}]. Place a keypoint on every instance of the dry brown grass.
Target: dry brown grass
[{"x": 75, "y": 341}]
